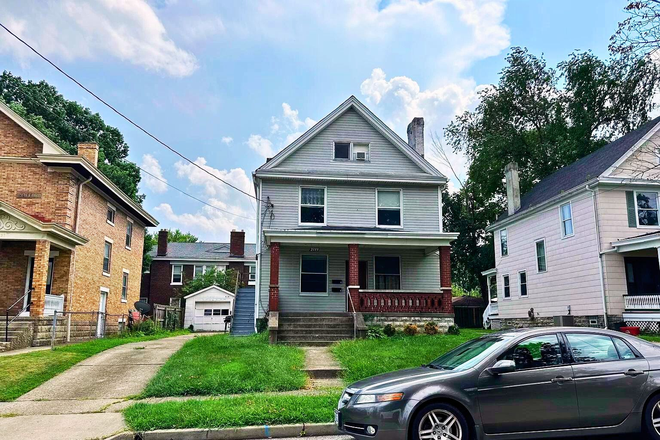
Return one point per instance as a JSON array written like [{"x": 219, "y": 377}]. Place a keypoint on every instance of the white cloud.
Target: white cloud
[
  {"x": 215, "y": 224},
  {"x": 227, "y": 140},
  {"x": 128, "y": 30},
  {"x": 261, "y": 145},
  {"x": 284, "y": 129},
  {"x": 151, "y": 165},
  {"x": 199, "y": 29},
  {"x": 212, "y": 186},
  {"x": 291, "y": 116}
]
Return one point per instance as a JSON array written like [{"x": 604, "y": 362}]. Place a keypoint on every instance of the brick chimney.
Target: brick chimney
[
  {"x": 90, "y": 151},
  {"x": 162, "y": 243},
  {"x": 237, "y": 243},
  {"x": 416, "y": 135},
  {"x": 512, "y": 187}
]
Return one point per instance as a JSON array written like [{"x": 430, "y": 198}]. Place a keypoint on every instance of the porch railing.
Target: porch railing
[
  {"x": 8, "y": 311},
  {"x": 404, "y": 302},
  {"x": 642, "y": 302}
]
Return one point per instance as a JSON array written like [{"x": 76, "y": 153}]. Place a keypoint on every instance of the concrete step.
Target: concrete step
[
  {"x": 317, "y": 331},
  {"x": 316, "y": 321},
  {"x": 315, "y": 315},
  {"x": 324, "y": 373},
  {"x": 317, "y": 343},
  {"x": 305, "y": 326},
  {"x": 312, "y": 337}
]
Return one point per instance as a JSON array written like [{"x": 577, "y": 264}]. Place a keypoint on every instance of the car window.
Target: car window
[
  {"x": 625, "y": 352},
  {"x": 592, "y": 348},
  {"x": 540, "y": 351}
]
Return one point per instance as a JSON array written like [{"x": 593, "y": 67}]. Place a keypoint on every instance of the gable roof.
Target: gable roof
[
  {"x": 50, "y": 147},
  {"x": 353, "y": 103},
  {"x": 206, "y": 289},
  {"x": 583, "y": 170},
  {"x": 204, "y": 252}
]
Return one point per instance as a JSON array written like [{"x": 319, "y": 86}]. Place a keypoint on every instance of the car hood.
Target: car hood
[{"x": 396, "y": 381}]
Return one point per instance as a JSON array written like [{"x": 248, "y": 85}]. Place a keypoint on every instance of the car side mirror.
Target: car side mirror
[{"x": 501, "y": 367}]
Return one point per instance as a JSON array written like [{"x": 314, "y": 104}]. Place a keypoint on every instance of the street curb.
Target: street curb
[{"x": 248, "y": 432}]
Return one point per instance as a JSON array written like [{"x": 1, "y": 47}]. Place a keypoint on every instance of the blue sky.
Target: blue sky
[{"x": 229, "y": 83}]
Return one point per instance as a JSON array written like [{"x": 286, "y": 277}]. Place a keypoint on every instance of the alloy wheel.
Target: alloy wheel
[
  {"x": 655, "y": 418},
  {"x": 439, "y": 424}
]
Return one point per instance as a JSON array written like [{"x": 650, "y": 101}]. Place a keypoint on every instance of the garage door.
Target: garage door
[{"x": 210, "y": 316}]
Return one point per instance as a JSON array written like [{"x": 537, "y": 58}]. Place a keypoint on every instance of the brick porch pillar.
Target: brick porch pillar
[
  {"x": 354, "y": 277},
  {"x": 274, "y": 287},
  {"x": 40, "y": 277},
  {"x": 445, "y": 278}
]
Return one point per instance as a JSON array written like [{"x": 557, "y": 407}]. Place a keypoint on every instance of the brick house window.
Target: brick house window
[
  {"x": 129, "y": 233},
  {"x": 177, "y": 274},
  {"x": 107, "y": 257},
  {"x": 111, "y": 214},
  {"x": 124, "y": 286}
]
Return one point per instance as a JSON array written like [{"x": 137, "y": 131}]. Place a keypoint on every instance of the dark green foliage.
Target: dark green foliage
[
  {"x": 375, "y": 332},
  {"x": 262, "y": 325},
  {"x": 145, "y": 327},
  {"x": 389, "y": 330},
  {"x": 453, "y": 330},
  {"x": 225, "y": 279}
]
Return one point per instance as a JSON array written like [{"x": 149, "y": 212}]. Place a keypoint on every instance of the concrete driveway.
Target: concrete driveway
[{"x": 83, "y": 402}]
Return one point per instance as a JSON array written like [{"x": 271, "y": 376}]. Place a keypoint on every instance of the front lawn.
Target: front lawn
[
  {"x": 223, "y": 364},
  {"x": 650, "y": 337},
  {"x": 23, "y": 372},
  {"x": 363, "y": 358},
  {"x": 229, "y": 412}
]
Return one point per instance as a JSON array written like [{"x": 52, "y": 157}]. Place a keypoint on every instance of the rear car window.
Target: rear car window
[{"x": 592, "y": 348}]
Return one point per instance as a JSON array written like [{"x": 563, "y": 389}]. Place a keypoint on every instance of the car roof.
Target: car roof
[{"x": 542, "y": 330}]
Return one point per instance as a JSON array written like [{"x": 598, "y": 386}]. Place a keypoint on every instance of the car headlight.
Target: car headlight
[{"x": 378, "y": 398}]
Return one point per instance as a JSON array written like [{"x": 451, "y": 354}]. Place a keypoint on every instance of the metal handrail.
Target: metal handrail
[
  {"x": 350, "y": 298},
  {"x": 7, "y": 320}
]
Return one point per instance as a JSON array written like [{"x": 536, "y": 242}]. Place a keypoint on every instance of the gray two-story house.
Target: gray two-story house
[{"x": 351, "y": 221}]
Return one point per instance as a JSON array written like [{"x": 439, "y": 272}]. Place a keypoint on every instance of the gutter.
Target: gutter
[
  {"x": 72, "y": 273},
  {"x": 594, "y": 199}
]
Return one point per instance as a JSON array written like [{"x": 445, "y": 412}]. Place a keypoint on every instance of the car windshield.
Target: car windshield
[{"x": 469, "y": 354}]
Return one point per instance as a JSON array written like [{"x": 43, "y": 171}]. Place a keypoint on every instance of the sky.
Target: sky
[{"x": 229, "y": 83}]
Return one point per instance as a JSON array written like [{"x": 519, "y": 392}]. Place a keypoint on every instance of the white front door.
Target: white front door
[{"x": 100, "y": 325}]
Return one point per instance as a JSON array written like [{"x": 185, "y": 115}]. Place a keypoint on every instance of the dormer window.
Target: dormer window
[{"x": 343, "y": 150}]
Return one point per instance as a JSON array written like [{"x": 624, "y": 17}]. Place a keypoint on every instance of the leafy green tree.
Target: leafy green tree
[
  {"x": 67, "y": 123},
  {"x": 151, "y": 241},
  {"x": 225, "y": 279}
]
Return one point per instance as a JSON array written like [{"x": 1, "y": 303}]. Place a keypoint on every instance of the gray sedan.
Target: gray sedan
[{"x": 518, "y": 384}]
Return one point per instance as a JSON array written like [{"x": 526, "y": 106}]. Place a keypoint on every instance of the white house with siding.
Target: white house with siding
[
  {"x": 351, "y": 220},
  {"x": 584, "y": 242}
]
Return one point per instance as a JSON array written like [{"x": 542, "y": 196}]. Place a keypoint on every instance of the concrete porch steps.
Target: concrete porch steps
[{"x": 314, "y": 329}]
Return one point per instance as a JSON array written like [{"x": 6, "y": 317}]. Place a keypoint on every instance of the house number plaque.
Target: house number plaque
[{"x": 27, "y": 195}]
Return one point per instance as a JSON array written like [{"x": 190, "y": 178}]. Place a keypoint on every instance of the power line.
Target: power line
[
  {"x": 129, "y": 120},
  {"x": 193, "y": 197}
]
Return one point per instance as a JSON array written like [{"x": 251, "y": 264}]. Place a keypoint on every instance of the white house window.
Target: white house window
[
  {"x": 129, "y": 233},
  {"x": 177, "y": 274},
  {"x": 199, "y": 270},
  {"x": 507, "y": 286},
  {"x": 111, "y": 213},
  {"x": 566, "y": 211},
  {"x": 647, "y": 208},
  {"x": 389, "y": 208},
  {"x": 361, "y": 152},
  {"x": 388, "y": 273},
  {"x": 107, "y": 257},
  {"x": 504, "y": 242},
  {"x": 252, "y": 272},
  {"x": 314, "y": 274},
  {"x": 541, "y": 265},
  {"x": 522, "y": 279},
  {"x": 312, "y": 205},
  {"x": 343, "y": 150},
  {"x": 492, "y": 288},
  {"x": 124, "y": 286}
]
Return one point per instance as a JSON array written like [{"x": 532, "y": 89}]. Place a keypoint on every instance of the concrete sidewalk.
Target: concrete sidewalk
[{"x": 71, "y": 405}]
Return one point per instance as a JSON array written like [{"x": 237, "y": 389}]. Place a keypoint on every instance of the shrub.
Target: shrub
[
  {"x": 146, "y": 327},
  {"x": 262, "y": 325},
  {"x": 410, "y": 330},
  {"x": 375, "y": 332},
  {"x": 453, "y": 330},
  {"x": 389, "y": 330},
  {"x": 431, "y": 328}
]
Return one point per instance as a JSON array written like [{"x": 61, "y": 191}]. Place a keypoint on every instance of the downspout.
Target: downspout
[
  {"x": 73, "y": 263},
  {"x": 600, "y": 253}
]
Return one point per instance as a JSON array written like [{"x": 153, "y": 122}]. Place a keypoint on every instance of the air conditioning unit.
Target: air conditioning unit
[{"x": 361, "y": 155}]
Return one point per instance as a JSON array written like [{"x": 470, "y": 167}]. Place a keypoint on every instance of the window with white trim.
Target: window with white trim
[
  {"x": 522, "y": 280},
  {"x": 504, "y": 242},
  {"x": 124, "y": 286},
  {"x": 177, "y": 274},
  {"x": 111, "y": 214},
  {"x": 646, "y": 203},
  {"x": 492, "y": 288},
  {"x": 360, "y": 152},
  {"x": 314, "y": 274},
  {"x": 199, "y": 270},
  {"x": 389, "y": 207},
  {"x": 541, "y": 264},
  {"x": 252, "y": 272},
  {"x": 566, "y": 212},
  {"x": 312, "y": 205},
  {"x": 387, "y": 272},
  {"x": 107, "y": 257},
  {"x": 342, "y": 150},
  {"x": 507, "y": 286},
  {"x": 129, "y": 233}
]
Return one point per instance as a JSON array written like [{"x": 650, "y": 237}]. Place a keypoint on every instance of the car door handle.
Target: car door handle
[
  {"x": 633, "y": 373},
  {"x": 561, "y": 379}
]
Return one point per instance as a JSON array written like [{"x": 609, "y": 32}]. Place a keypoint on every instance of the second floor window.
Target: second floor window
[
  {"x": 566, "y": 220},
  {"x": 199, "y": 270},
  {"x": 541, "y": 265},
  {"x": 504, "y": 242},
  {"x": 252, "y": 272},
  {"x": 110, "y": 215},
  {"x": 389, "y": 207},
  {"x": 177, "y": 274},
  {"x": 647, "y": 208},
  {"x": 107, "y": 256},
  {"x": 129, "y": 233},
  {"x": 312, "y": 205}
]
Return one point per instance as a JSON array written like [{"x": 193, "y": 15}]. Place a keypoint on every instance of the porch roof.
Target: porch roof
[
  {"x": 18, "y": 225},
  {"x": 363, "y": 236},
  {"x": 640, "y": 242}
]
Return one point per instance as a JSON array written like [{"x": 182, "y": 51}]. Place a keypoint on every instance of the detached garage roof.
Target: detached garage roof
[{"x": 209, "y": 289}]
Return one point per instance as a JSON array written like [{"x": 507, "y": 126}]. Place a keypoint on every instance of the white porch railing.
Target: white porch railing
[
  {"x": 53, "y": 303},
  {"x": 642, "y": 302}
]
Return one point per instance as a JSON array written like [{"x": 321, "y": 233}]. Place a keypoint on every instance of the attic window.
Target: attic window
[{"x": 342, "y": 150}]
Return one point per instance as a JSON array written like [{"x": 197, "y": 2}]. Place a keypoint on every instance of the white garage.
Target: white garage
[{"x": 207, "y": 309}]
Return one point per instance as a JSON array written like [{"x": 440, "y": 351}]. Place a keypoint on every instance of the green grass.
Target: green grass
[
  {"x": 363, "y": 358},
  {"x": 229, "y": 412},
  {"x": 23, "y": 372},
  {"x": 650, "y": 338},
  {"x": 221, "y": 364}
]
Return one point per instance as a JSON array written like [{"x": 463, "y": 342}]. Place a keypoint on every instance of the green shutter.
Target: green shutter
[{"x": 632, "y": 214}]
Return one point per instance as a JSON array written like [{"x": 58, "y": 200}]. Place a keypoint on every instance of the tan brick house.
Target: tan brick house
[{"x": 69, "y": 238}]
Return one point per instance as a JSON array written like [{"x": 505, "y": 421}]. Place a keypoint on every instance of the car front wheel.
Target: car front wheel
[
  {"x": 440, "y": 421},
  {"x": 651, "y": 420}
]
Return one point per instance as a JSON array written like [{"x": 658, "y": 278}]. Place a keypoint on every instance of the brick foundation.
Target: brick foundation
[{"x": 401, "y": 320}]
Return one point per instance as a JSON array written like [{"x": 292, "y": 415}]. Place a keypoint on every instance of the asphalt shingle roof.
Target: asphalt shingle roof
[
  {"x": 582, "y": 170},
  {"x": 205, "y": 251}
]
